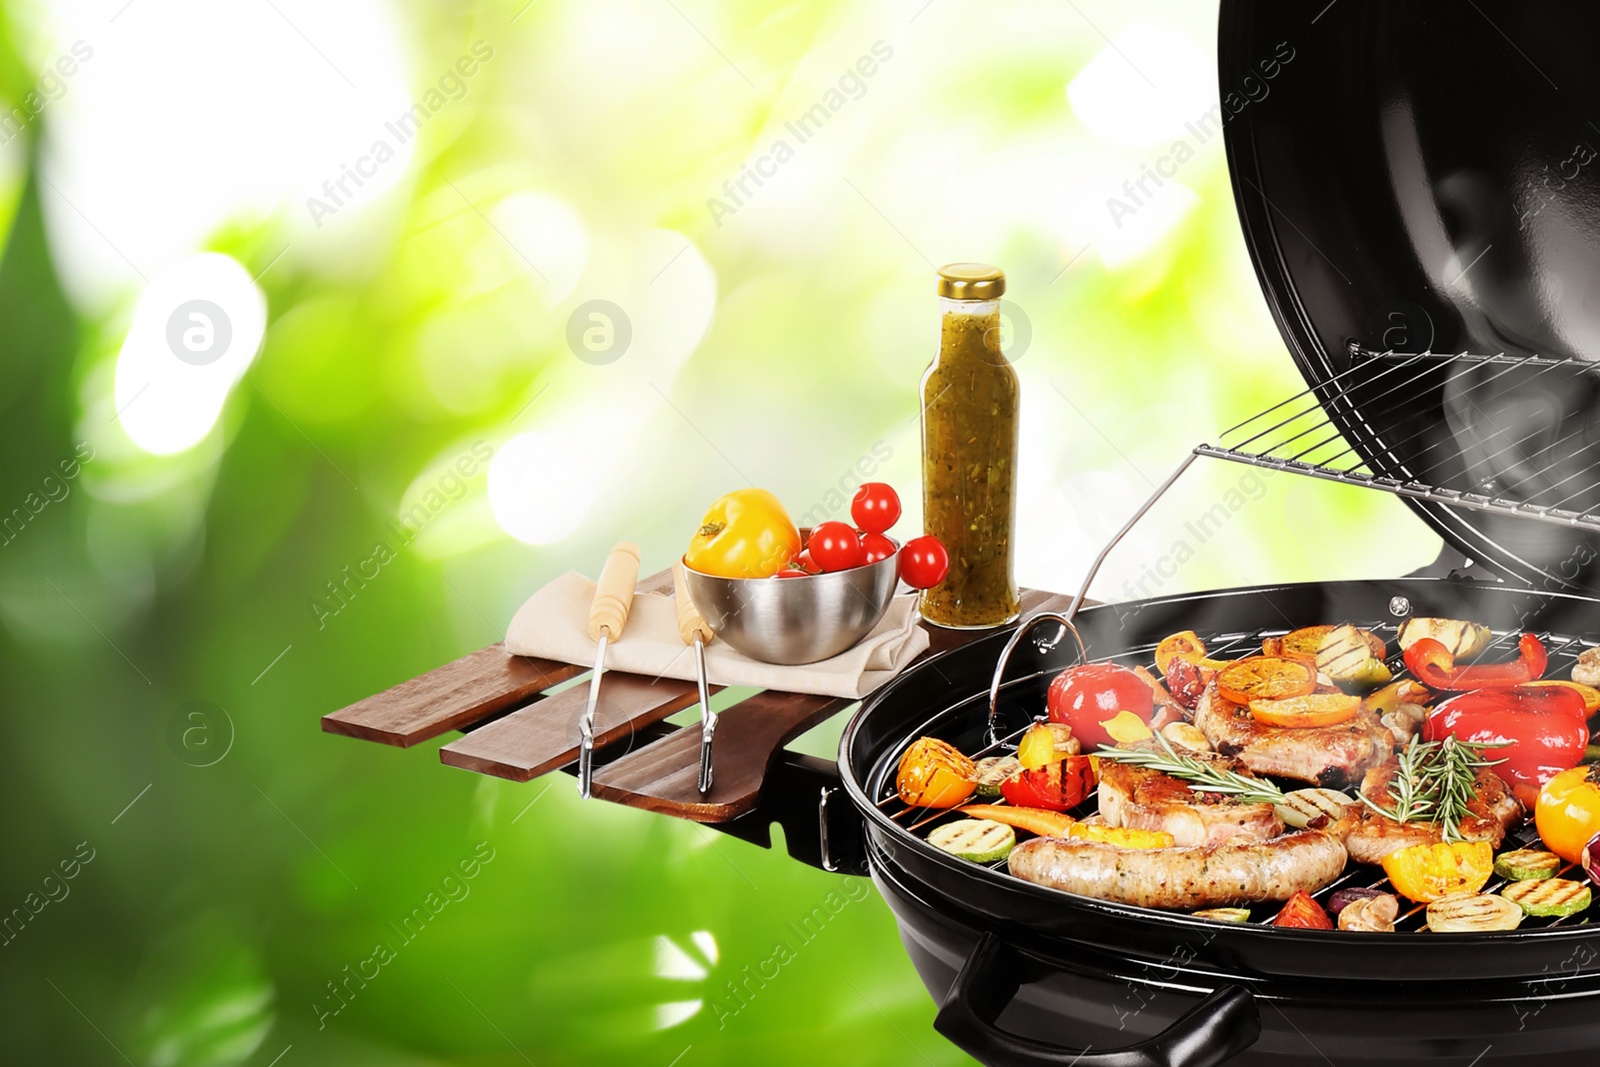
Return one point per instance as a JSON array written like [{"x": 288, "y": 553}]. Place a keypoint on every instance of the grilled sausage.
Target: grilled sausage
[{"x": 1206, "y": 876}]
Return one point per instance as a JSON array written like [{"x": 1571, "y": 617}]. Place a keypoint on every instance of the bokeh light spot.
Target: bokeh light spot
[{"x": 196, "y": 329}]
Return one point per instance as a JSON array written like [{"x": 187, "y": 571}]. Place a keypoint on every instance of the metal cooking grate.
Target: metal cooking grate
[
  {"x": 1564, "y": 651},
  {"x": 1504, "y": 447}
]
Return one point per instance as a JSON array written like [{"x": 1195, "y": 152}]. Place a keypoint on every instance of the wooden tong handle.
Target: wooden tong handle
[
  {"x": 613, "y": 594},
  {"x": 690, "y": 623}
]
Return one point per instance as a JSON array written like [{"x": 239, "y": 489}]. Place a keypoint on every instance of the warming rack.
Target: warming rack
[{"x": 1377, "y": 397}]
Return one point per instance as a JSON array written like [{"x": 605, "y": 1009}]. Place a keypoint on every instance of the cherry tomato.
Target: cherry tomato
[
  {"x": 808, "y": 564},
  {"x": 1087, "y": 697},
  {"x": 923, "y": 562},
  {"x": 792, "y": 571},
  {"x": 835, "y": 547},
  {"x": 1057, "y": 786},
  {"x": 876, "y": 547},
  {"x": 875, "y": 507}
]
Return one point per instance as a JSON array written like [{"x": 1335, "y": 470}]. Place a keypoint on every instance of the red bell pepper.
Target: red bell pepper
[
  {"x": 1434, "y": 666},
  {"x": 1058, "y": 786},
  {"x": 1539, "y": 731}
]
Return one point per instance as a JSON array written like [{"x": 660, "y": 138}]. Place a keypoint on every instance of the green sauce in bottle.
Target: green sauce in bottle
[{"x": 969, "y": 453}]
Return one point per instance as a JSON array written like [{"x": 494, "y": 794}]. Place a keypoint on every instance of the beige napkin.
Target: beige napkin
[{"x": 552, "y": 625}]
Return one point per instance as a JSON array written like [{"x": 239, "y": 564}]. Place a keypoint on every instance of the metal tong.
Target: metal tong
[
  {"x": 694, "y": 631},
  {"x": 608, "y": 614}
]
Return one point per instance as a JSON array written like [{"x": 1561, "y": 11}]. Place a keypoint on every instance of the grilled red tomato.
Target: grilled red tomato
[
  {"x": 1087, "y": 697},
  {"x": 1302, "y": 911},
  {"x": 1057, "y": 786},
  {"x": 1543, "y": 729}
]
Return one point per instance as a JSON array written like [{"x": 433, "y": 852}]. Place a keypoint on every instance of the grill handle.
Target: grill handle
[
  {"x": 1214, "y": 1031},
  {"x": 1044, "y": 645}
]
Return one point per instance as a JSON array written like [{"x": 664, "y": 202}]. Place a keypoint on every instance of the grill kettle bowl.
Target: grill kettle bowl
[{"x": 1096, "y": 973}]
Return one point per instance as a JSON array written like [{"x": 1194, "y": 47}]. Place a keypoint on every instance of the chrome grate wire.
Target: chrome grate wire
[{"x": 1375, "y": 396}]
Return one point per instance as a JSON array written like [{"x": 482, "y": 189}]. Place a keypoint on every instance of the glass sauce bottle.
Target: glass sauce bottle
[{"x": 969, "y": 453}]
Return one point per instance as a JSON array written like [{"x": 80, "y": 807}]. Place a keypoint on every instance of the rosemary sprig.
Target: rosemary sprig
[
  {"x": 1202, "y": 776},
  {"x": 1434, "y": 782}
]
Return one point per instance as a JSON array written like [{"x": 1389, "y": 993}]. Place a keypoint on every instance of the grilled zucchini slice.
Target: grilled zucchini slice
[
  {"x": 1303, "y": 807},
  {"x": 1463, "y": 639},
  {"x": 978, "y": 840},
  {"x": 1527, "y": 865},
  {"x": 1473, "y": 914},
  {"x": 1224, "y": 915},
  {"x": 1549, "y": 897},
  {"x": 1346, "y": 654},
  {"x": 991, "y": 771}
]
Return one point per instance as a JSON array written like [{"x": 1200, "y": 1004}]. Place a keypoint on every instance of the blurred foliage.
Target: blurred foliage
[{"x": 228, "y": 905}]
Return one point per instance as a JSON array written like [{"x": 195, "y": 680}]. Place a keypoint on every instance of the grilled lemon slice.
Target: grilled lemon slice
[
  {"x": 1315, "y": 709},
  {"x": 1266, "y": 678}
]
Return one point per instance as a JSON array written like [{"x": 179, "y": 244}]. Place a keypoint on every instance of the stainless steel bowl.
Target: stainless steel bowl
[{"x": 796, "y": 620}]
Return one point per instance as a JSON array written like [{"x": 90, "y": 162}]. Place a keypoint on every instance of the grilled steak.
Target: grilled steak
[
  {"x": 1332, "y": 756},
  {"x": 1369, "y": 836},
  {"x": 1145, "y": 799},
  {"x": 1183, "y": 878}
]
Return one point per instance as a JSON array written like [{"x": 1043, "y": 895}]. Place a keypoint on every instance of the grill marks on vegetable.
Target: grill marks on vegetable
[{"x": 1521, "y": 842}]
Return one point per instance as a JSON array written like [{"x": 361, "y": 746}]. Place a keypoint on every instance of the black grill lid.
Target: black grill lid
[{"x": 1417, "y": 177}]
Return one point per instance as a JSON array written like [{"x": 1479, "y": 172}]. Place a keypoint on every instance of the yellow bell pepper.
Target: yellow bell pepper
[
  {"x": 1121, "y": 836},
  {"x": 745, "y": 534},
  {"x": 1125, "y": 728}
]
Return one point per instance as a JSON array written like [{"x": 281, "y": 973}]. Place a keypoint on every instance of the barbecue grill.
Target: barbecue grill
[{"x": 1418, "y": 192}]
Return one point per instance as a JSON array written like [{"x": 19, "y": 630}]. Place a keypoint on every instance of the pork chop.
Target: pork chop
[
  {"x": 1369, "y": 836},
  {"x": 1330, "y": 756},
  {"x": 1144, "y": 799}
]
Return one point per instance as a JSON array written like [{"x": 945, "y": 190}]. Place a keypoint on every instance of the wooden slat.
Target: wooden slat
[
  {"x": 447, "y": 698},
  {"x": 663, "y": 777},
  {"x": 468, "y": 690},
  {"x": 544, "y": 736}
]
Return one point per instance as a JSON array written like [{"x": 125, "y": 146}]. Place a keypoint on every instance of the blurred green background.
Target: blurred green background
[{"x": 408, "y": 247}]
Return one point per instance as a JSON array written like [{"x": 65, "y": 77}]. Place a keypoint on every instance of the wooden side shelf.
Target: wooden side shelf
[
  {"x": 540, "y": 732},
  {"x": 468, "y": 690}
]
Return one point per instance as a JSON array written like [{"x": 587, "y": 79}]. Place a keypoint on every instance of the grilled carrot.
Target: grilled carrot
[{"x": 1034, "y": 820}]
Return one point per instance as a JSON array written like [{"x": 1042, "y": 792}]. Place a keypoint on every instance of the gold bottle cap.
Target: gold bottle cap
[{"x": 971, "y": 281}]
